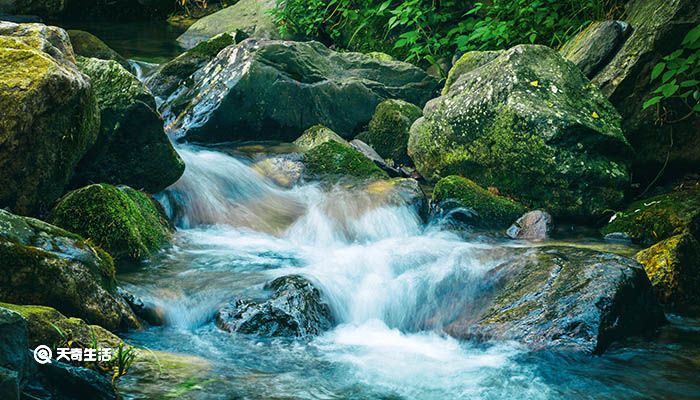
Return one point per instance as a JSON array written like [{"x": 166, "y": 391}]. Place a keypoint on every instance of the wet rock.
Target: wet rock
[
  {"x": 43, "y": 324},
  {"x": 534, "y": 225},
  {"x": 563, "y": 298},
  {"x": 489, "y": 210},
  {"x": 132, "y": 147},
  {"x": 43, "y": 264},
  {"x": 673, "y": 267},
  {"x": 296, "y": 308},
  {"x": 13, "y": 353},
  {"x": 128, "y": 224},
  {"x": 528, "y": 122},
  {"x": 399, "y": 192},
  {"x": 389, "y": 128},
  {"x": 596, "y": 45},
  {"x": 658, "y": 27},
  {"x": 317, "y": 135},
  {"x": 274, "y": 90},
  {"x": 145, "y": 310},
  {"x": 659, "y": 217},
  {"x": 333, "y": 159},
  {"x": 65, "y": 381},
  {"x": 249, "y": 16},
  {"x": 176, "y": 73},
  {"x": 285, "y": 170},
  {"x": 369, "y": 152},
  {"x": 88, "y": 45},
  {"x": 49, "y": 116}
]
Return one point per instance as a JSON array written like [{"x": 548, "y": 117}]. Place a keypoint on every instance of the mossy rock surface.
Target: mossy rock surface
[
  {"x": 492, "y": 210},
  {"x": 132, "y": 147},
  {"x": 86, "y": 44},
  {"x": 169, "y": 76},
  {"x": 333, "y": 159},
  {"x": 49, "y": 116},
  {"x": 530, "y": 124},
  {"x": 562, "y": 298},
  {"x": 49, "y": 327},
  {"x": 125, "y": 222},
  {"x": 673, "y": 267},
  {"x": 275, "y": 90},
  {"x": 317, "y": 135},
  {"x": 389, "y": 129},
  {"x": 43, "y": 264},
  {"x": 659, "y": 217}
]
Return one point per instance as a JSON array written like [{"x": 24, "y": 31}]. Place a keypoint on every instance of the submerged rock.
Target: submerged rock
[
  {"x": 49, "y": 116},
  {"x": 399, "y": 192},
  {"x": 43, "y": 264},
  {"x": 673, "y": 266},
  {"x": 534, "y": 225},
  {"x": 132, "y": 147},
  {"x": 333, "y": 159},
  {"x": 563, "y": 298},
  {"x": 296, "y": 308},
  {"x": 659, "y": 217},
  {"x": 176, "y": 72},
  {"x": 285, "y": 170},
  {"x": 490, "y": 210},
  {"x": 128, "y": 224},
  {"x": 528, "y": 122},
  {"x": 389, "y": 128},
  {"x": 88, "y": 45},
  {"x": 249, "y": 16},
  {"x": 274, "y": 90}
]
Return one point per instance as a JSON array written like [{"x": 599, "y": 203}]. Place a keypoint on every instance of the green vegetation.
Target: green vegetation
[
  {"x": 678, "y": 75},
  {"x": 336, "y": 159},
  {"x": 425, "y": 30}
]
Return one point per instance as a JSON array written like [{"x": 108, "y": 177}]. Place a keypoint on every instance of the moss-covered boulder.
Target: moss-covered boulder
[
  {"x": 43, "y": 264},
  {"x": 49, "y": 116},
  {"x": 491, "y": 210},
  {"x": 389, "y": 128},
  {"x": 333, "y": 159},
  {"x": 275, "y": 90},
  {"x": 42, "y": 8},
  {"x": 317, "y": 135},
  {"x": 127, "y": 223},
  {"x": 132, "y": 147},
  {"x": 561, "y": 298},
  {"x": 171, "y": 75},
  {"x": 659, "y": 217},
  {"x": 88, "y": 45},
  {"x": 249, "y": 16},
  {"x": 530, "y": 124},
  {"x": 673, "y": 267},
  {"x": 49, "y": 327}
]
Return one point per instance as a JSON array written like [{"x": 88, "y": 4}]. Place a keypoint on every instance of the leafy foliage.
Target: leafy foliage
[
  {"x": 425, "y": 30},
  {"x": 678, "y": 75}
]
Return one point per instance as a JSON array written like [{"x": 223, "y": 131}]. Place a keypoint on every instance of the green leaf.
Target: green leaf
[
  {"x": 689, "y": 83},
  {"x": 692, "y": 36},
  {"x": 651, "y": 102},
  {"x": 657, "y": 70},
  {"x": 670, "y": 89},
  {"x": 667, "y": 76}
]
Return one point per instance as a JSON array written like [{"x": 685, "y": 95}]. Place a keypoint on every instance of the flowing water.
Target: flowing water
[{"x": 392, "y": 281}]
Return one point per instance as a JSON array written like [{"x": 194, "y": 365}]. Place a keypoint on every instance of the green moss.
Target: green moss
[
  {"x": 466, "y": 63},
  {"x": 213, "y": 46},
  {"x": 124, "y": 222},
  {"x": 378, "y": 55},
  {"x": 389, "y": 129},
  {"x": 88, "y": 45},
  {"x": 335, "y": 159},
  {"x": 659, "y": 217},
  {"x": 316, "y": 135},
  {"x": 493, "y": 210}
]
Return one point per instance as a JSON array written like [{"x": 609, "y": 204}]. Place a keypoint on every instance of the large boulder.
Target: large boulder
[
  {"x": 657, "y": 29},
  {"x": 42, "y": 8},
  {"x": 295, "y": 308},
  {"x": 527, "y": 122},
  {"x": 332, "y": 159},
  {"x": 316, "y": 136},
  {"x": 128, "y": 224},
  {"x": 562, "y": 298},
  {"x": 592, "y": 49},
  {"x": 88, "y": 45},
  {"x": 673, "y": 266},
  {"x": 659, "y": 217},
  {"x": 252, "y": 17},
  {"x": 485, "y": 209},
  {"x": 49, "y": 115},
  {"x": 171, "y": 75},
  {"x": 274, "y": 90},
  {"x": 533, "y": 225},
  {"x": 132, "y": 147},
  {"x": 389, "y": 129},
  {"x": 43, "y": 264}
]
